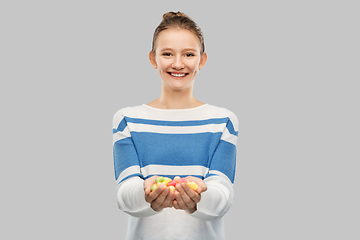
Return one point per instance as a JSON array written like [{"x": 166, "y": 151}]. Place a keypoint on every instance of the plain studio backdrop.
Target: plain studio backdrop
[{"x": 288, "y": 69}]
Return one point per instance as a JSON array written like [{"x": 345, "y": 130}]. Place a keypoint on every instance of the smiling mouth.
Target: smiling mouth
[{"x": 178, "y": 75}]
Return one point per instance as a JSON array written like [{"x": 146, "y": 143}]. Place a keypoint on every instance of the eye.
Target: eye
[
  {"x": 189, "y": 55},
  {"x": 166, "y": 54}
]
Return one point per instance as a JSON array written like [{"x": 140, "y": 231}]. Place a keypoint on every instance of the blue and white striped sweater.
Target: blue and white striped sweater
[{"x": 200, "y": 142}]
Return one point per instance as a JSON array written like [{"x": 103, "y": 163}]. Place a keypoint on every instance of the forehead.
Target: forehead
[{"x": 177, "y": 38}]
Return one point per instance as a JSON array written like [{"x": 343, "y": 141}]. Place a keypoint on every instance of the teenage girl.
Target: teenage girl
[{"x": 175, "y": 135}]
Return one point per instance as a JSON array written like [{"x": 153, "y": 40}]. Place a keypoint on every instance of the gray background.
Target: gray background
[{"x": 288, "y": 69}]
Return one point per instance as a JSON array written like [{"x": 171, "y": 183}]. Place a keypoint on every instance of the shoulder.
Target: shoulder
[
  {"x": 132, "y": 112},
  {"x": 221, "y": 112}
]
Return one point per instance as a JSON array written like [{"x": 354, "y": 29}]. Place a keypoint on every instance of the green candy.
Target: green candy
[
  {"x": 154, "y": 187},
  {"x": 159, "y": 179}
]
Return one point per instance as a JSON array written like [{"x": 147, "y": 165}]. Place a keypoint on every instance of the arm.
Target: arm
[
  {"x": 130, "y": 190},
  {"x": 218, "y": 198}
]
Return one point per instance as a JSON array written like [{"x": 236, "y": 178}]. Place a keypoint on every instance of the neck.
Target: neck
[{"x": 176, "y": 100}]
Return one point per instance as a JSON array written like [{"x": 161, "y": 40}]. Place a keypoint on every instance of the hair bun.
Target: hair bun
[
  {"x": 178, "y": 20},
  {"x": 174, "y": 14}
]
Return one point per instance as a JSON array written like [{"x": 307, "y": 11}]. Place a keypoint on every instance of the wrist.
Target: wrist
[
  {"x": 157, "y": 209},
  {"x": 191, "y": 210}
]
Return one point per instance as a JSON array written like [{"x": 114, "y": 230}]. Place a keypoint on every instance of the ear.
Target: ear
[
  {"x": 203, "y": 60},
  {"x": 152, "y": 59}
]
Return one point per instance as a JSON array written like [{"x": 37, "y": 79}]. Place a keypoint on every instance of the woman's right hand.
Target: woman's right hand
[{"x": 160, "y": 198}]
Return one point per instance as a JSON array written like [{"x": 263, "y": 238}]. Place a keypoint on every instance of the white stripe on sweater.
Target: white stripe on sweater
[
  {"x": 127, "y": 172},
  {"x": 121, "y": 135},
  {"x": 173, "y": 170},
  {"x": 213, "y": 128}
]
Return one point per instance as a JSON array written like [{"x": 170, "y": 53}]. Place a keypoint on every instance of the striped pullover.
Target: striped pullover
[{"x": 199, "y": 142}]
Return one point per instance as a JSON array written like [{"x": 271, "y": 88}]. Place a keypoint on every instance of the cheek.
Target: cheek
[
  {"x": 194, "y": 68},
  {"x": 162, "y": 65}
]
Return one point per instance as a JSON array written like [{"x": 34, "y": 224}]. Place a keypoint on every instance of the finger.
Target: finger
[
  {"x": 158, "y": 202},
  {"x": 201, "y": 188},
  {"x": 194, "y": 196},
  {"x": 201, "y": 185},
  {"x": 186, "y": 201},
  {"x": 152, "y": 196},
  {"x": 175, "y": 204},
  {"x": 180, "y": 202},
  {"x": 148, "y": 183},
  {"x": 191, "y": 197},
  {"x": 168, "y": 200}
]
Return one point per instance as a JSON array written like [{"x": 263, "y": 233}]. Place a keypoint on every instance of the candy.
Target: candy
[
  {"x": 193, "y": 185},
  {"x": 172, "y": 183},
  {"x": 182, "y": 180},
  {"x": 154, "y": 186},
  {"x": 159, "y": 179},
  {"x": 166, "y": 180}
]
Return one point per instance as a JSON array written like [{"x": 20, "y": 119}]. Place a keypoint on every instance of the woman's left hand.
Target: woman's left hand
[{"x": 186, "y": 198}]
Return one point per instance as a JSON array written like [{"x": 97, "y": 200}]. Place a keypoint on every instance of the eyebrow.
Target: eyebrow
[
  {"x": 184, "y": 50},
  {"x": 189, "y": 49}
]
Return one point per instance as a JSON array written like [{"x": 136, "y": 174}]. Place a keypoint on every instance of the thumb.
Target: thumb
[{"x": 148, "y": 183}]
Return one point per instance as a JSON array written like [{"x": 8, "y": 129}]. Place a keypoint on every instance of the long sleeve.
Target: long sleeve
[
  {"x": 218, "y": 198},
  {"x": 130, "y": 191}
]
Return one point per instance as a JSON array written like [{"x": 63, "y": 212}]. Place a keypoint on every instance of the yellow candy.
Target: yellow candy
[
  {"x": 172, "y": 188},
  {"x": 176, "y": 179},
  {"x": 166, "y": 180},
  {"x": 193, "y": 185}
]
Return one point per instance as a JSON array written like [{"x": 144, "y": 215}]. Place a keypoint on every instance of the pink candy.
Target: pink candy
[{"x": 172, "y": 183}]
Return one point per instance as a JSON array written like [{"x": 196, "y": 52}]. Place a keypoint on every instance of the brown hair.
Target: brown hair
[{"x": 178, "y": 20}]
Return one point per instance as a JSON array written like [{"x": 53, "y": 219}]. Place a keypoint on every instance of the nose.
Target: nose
[{"x": 177, "y": 63}]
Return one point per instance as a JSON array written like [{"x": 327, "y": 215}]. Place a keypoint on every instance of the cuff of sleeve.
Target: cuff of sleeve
[
  {"x": 131, "y": 198},
  {"x": 216, "y": 201},
  {"x": 203, "y": 216},
  {"x": 147, "y": 212}
]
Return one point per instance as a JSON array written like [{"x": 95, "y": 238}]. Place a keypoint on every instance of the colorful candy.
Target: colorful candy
[
  {"x": 172, "y": 183},
  {"x": 154, "y": 186},
  {"x": 166, "y": 180},
  {"x": 183, "y": 180},
  {"x": 159, "y": 179},
  {"x": 192, "y": 185}
]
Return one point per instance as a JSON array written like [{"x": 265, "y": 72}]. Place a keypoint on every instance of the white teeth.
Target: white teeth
[{"x": 177, "y": 75}]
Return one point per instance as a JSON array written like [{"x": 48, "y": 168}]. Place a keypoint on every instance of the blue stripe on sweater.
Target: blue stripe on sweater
[
  {"x": 175, "y": 149},
  {"x": 224, "y": 160},
  {"x": 182, "y": 176},
  {"x": 124, "y": 155},
  {"x": 177, "y": 123},
  {"x": 231, "y": 128},
  {"x": 132, "y": 175},
  {"x": 122, "y": 125}
]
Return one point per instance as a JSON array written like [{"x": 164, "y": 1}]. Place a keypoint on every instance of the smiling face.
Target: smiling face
[{"x": 177, "y": 58}]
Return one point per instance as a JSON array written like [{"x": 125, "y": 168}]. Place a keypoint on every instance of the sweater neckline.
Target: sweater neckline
[{"x": 176, "y": 110}]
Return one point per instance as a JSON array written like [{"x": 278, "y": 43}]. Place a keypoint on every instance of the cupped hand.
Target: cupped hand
[
  {"x": 186, "y": 198},
  {"x": 160, "y": 198}
]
